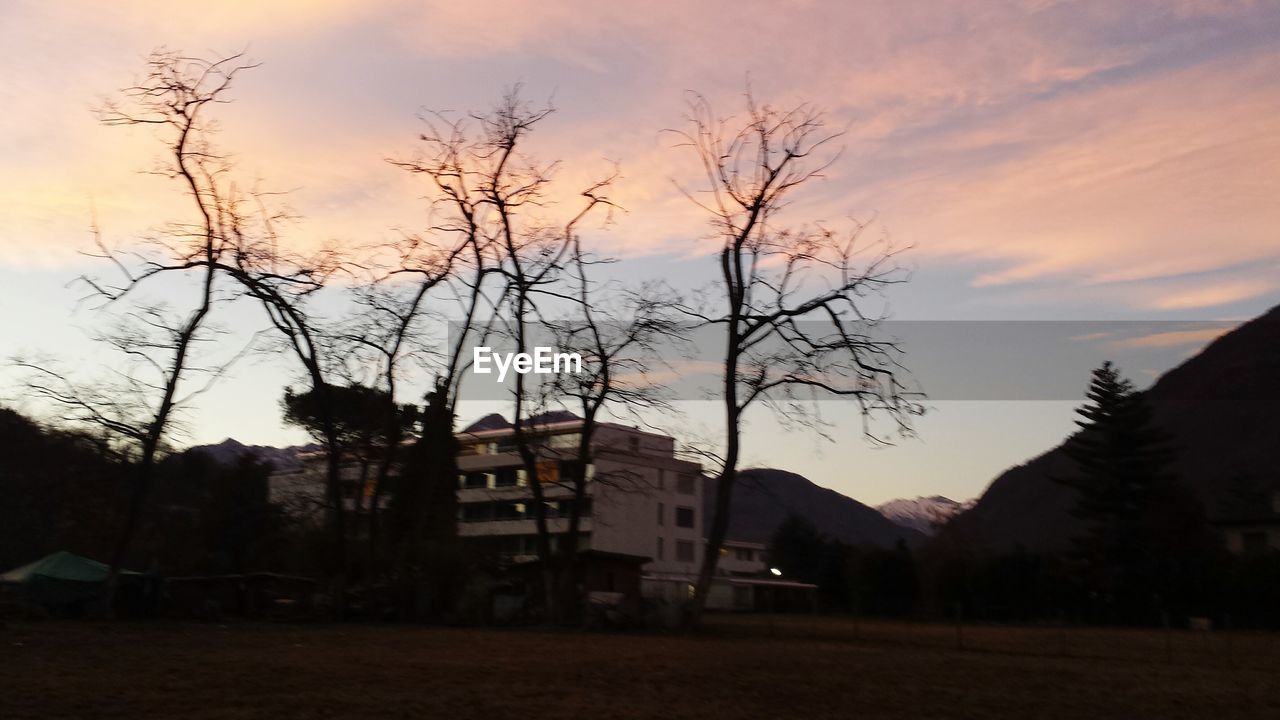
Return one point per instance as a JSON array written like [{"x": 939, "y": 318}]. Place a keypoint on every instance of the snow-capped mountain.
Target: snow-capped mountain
[
  {"x": 229, "y": 451},
  {"x": 924, "y": 514}
]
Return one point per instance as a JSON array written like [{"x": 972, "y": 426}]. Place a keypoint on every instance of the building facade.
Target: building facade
[
  {"x": 642, "y": 502},
  {"x": 641, "y": 499},
  {"x": 300, "y": 489},
  {"x": 1254, "y": 530}
]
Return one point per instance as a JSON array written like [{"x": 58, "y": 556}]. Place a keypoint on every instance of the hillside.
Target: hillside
[
  {"x": 1220, "y": 406},
  {"x": 765, "y": 497}
]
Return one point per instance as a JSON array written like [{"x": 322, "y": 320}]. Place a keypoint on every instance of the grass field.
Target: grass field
[{"x": 744, "y": 667}]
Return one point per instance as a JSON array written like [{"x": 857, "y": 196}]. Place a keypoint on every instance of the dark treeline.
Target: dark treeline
[
  {"x": 850, "y": 578},
  {"x": 1145, "y": 552},
  {"x": 67, "y": 491},
  {"x": 63, "y": 491},
  {"x": 209, "y": 514},
  {"x": 1021, "y": 586}
]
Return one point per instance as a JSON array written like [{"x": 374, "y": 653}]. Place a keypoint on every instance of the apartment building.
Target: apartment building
[
  {"x": 641, "y": 499},
  {"x": 642, "y": 502},
  {"x": 300, "y": 488}
]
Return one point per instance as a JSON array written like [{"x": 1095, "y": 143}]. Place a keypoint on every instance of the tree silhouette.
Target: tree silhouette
[
  {"x": 617, "y": 333},
  {"x": 791, "y": 299},
  {"x": 1122, "y": 462},
  {"x": 137, "y": 401},
  {"x": 528, "y": 251},
  {"x": 358, "y": 417}
]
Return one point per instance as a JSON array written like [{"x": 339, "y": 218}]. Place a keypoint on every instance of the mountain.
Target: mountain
[
  {"x": 492, "y": 421},
  {"x": 495, "y": 421},
  {"x": 1221, "y": 408},
  {"x": 764, "y": 497},
  {"x": 230, "y": 450},
  {"x": 923, "y": 514}
]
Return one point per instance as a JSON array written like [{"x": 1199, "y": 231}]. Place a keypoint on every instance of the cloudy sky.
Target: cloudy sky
[{"x": 1043, "y": 160}]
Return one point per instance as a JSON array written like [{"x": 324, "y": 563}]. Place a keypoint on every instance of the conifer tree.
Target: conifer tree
[{"x": 1122, "y": 462}]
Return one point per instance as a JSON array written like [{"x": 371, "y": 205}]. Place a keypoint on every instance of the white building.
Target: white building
[
  {"x": 642, "y": 499},
  {"x": 644, "y": 502}
]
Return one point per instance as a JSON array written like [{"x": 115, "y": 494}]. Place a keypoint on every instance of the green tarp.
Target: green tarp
[
  {"x": 61, "y": 565},
  {"x": 62, "y": 581}
]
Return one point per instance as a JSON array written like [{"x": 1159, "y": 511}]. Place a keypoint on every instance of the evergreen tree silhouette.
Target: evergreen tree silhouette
[{"x": 1122, "y": 462}]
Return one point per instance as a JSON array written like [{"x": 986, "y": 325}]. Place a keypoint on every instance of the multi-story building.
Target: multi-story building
[
  {"x": 641, "y": 499},
  {"x": 643, "y": 503},
  {"x": 300, "y": 487}
]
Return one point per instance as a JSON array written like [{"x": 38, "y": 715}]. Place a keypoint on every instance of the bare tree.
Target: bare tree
[
  {"x": 500, "y": 197},
  {"x": 618, "y": 342},
  {"x": 285, "y": 285},
  {"x": 439, "y": 275},
  {"x": 388, "y": 332},
  {"x": 530, "y": 261},
  {"x": 159, "y": 344},
  {"x": 790, "y": 298}
]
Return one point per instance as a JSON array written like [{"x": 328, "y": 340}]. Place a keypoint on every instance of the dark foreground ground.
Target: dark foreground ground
[{"x": 743, "y": 668}]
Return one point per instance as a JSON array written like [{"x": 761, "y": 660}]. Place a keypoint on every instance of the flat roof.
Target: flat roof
[
  {"x": 558, "y": 425},
  {"x": 731, "y": 579}
]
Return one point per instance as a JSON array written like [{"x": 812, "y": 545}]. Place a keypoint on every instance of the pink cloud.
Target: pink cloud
[
  {"x": 1174, "y": 338},
  {"x": 1215, "y": 294},
  {"x": 1004, "y": 132}
]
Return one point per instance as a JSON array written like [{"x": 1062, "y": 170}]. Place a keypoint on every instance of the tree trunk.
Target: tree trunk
[
  {"x": 337, "y": 520},
  {"x": 133, "y": 518}
]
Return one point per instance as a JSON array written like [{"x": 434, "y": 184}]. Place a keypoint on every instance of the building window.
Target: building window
[
  {"x": 508, "y": 511},
  {"x": 634, "y": 442},
  {"x": 744, "y": 554},
  {"x": 662, "y": 479},
  {"x": 506, "y": 477},
  {"x": 564, "y": 441},
  {"x": 684, "y": 550},
  {"x": 684, "y": 517},
  {"x": 662, "y": 512},
  {"x": 685, "y": 485},
  {"x": 480, "y": 512},
  {"x": 660, "y": 549}
]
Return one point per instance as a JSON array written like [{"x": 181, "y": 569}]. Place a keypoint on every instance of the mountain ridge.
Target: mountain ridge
[
  {"x": 231, "y": 450},
  {"x": 924, "y": 514},
  {"x": 764, "y": 497},
  {"x": 1218, "y": 405}
]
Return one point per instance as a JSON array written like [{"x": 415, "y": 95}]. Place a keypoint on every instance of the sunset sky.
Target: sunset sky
[{"x": 1043, "y": 160}]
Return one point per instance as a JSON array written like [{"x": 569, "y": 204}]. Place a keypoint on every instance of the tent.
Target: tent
[{"x": 63, "y": 583}]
